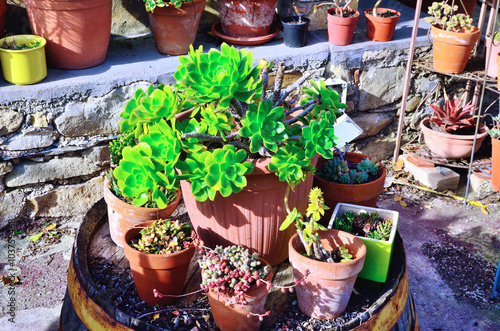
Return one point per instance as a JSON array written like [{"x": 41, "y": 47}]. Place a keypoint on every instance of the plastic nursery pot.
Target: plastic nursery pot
[
  {"x": 329, "y": 286},
  {"x": 451, "y": 50},
  {"x": 340, "y": 29},
  {"x": 295, "y": 31},
  {"x": 26, "y": 66},
  {"x": 164, "y": 272},
  {"x": 243, "y": 18},
  {"x": 232, "y": 316},
  {"x": 123, "y": 216},
  {"x": 381, "y": 28}
]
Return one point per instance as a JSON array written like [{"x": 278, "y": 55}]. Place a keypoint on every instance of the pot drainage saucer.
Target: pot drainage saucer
[{"x": 217, "y": 30}]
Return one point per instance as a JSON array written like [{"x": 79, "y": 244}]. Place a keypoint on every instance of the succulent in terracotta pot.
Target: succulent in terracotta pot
[
  {"x": 338, "y": 170},
  {"x": 163, "y": 237}
]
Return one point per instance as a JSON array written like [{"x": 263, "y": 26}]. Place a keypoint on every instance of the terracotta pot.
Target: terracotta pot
[
  {"x": 340, "y": 29},
  {"x": 329, "y": 286},
  {"x": 246, "y": 18},
  {"x": 250, "y": 218},
  {"x": 165, "y": 273},
  {"x": 365, "y": 194},
  {"x": 174, "y": 29},
  {"x": 77, "y": 31},
  {"x": 232, "y": 317},
  {"x": 451, "y": 50},
  {"x": 123, "y": 216},
  {"x": 380, "y": 28},
  {"x": 492, "y": 53},
  {"x": 452, "y": 146},
  {"x": 3, "y": 10},
  {"x": 495, "y": 164}
]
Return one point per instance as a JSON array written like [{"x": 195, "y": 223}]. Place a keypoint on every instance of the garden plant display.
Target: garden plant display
[
  {"x": 369, "y": 225},
  {"x": 338, "y": 170}
]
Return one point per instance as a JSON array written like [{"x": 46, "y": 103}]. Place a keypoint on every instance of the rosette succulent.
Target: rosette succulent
[
  {"x": 338, "y": 170},
  {"x": 446, "y": 17},
  {"x": 163, "y": 237}
]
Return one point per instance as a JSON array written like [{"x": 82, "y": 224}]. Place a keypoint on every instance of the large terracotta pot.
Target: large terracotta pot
[
  {"x": 380, "y": 28},
  {"x": 492, "y": 53},
  {"x": 231, "y": 316},
  {"x": 452, "y": 146},
  {"x": 174, "y": 29},
  {"x": 246, "y": 18},
  {"x": 77, "y": 31},
  {"x": 123, "y": 216},
  {"x": 165, "y": 273},
  {"x": 340, "y": 29},
  {"x": 495, "y": 164},
  {"x": 365, "y": 194},
  {"x": 451, "y": 50},
  {"x": 329, "y": 286},
  {"x": 3, "y": 10},
  {"x": 250, "y": 218}
]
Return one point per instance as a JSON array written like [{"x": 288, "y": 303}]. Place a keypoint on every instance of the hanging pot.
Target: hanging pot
[
  {"x": 381, "y": 28},
  {"x": 123, "y": 216},
  {"x": 329, "y": 286},
  {"x": 451, "y": 50},
  {"x": 77, "y": 31},
  {"x": 231, "y": 316},
  {"x": 452, "y": 146},
  {"x": 174, "y": 29},
  {"x": 164, "y": 272},
  {"x": 26, "y": 66},
  {"x": 341, "y": 29},
  {"x": 295, "y": 32},
  {"x": 246, "y": 18}
]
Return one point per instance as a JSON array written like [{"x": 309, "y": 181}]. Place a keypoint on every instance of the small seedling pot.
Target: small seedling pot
[{"x": 295, "y": 32}]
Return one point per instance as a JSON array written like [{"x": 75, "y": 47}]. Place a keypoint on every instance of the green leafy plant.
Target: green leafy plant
[
  {"x": 446, "y": 17},
  {"x": 369, "y": 225},
  {"x": 307, "y": 228},
  {"x": 152, "y": 4},
  {"x": 338, "y": 170},
  {"x": 494, "y": 132},
  {"x": 232, "y": 119},
  {"x": 13, "y": 45},
  {"x": 454, "y": 116}
]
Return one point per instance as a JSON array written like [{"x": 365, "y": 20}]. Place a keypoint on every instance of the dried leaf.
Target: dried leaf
[
  {"x": 398, "y": 166},
  {"x": 484, "y": 211},
  {"x": 428, "y": 207},
  {"x": 10, "y": 280},
  {"x": 398, "y": 198},
  {"x": 50, "y": 227},
  {"x": 156, "y": 316},
  {"x": 36, "y": 237},
  {"x": 402, "y": 203}
]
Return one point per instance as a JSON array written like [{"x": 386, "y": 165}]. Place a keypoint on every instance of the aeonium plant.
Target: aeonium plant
[
  {"x": 446, "y": 17},
  {"x": 232, "y": 119}
]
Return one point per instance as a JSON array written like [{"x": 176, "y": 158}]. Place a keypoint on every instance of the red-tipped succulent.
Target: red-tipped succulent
[{"x": 454, "y": 116}]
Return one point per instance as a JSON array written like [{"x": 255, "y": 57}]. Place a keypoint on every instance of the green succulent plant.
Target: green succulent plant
[
  {"x": 369, "y": 225},
  {"x": 337, "y": 170},
  {"x": 230, "y": 121},
  {"x": 152, "y": 4},
  {"x": 163, "y": 237},
  {"x": 446, "y": 17}
]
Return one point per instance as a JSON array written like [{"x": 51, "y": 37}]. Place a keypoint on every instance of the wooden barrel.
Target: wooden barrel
[{"x": 86, "y": 307}]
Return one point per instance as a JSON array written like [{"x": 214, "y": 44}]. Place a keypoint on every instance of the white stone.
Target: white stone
[
  {"x": 10, "y": 120},
  {"x": 30, "y": 140}
]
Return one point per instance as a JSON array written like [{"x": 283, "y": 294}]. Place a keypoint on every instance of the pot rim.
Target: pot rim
[{"x": 483, "y": 131}]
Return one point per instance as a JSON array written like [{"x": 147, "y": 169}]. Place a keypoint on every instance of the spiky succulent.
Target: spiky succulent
[
  {"x": 454, "y": 116},
  {"x": 369, "y": 225},
  {"x": 446, "y": 17},
  {"x": 163, "y": 237}
]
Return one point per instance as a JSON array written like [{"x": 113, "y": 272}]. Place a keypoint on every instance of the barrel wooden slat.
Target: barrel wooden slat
[{"x": 86, "y": 305}]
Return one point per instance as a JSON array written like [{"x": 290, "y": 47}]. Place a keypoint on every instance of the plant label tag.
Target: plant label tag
[{"x": 346, "y": 130}]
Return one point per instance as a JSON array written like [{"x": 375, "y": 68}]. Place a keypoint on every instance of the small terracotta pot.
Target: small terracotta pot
[
  {"x": 232, "y": 317},
  {"x": 365, "y": 194},
  {"x": 174, "y": 29},
  {"x": 340, "y": 29},
  {"x": 329, "y": 286},
  {"x": 246, "y": 18},
  {"x": 495, "y": 164},
  {"x": 123, "y": 216},
  {"x": 165, "y": 273},
  {"x": 452, "y": 146},
  {"x": 380, "y": 28},
  {"x": 451, "y": 50},
  {"x": 77, "y": 31}
]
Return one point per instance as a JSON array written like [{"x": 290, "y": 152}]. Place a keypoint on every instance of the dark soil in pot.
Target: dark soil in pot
[
  {"x": 387, "y": 14},
  {"x": 346, "y": 13},
  {"x": 463, "y": 131}
]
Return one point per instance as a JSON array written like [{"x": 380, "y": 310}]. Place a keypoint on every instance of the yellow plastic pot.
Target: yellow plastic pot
[{"x": 26, "y": 66}]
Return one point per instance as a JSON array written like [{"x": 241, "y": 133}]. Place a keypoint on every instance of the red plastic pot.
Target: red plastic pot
[
  {"x": 77, "y": 31},
  {"x": 174, "y": 29},
  {"x": 340, "y": 29},
  {"x": 329, "y": 286},
  {"x": 165, "y": 273},
  {"x": 246, "y": 18},
  {"x": 380, "y": 28}
]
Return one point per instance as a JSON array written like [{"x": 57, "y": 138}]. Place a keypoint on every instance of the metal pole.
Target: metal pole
[{"x": 406, "y": 87}]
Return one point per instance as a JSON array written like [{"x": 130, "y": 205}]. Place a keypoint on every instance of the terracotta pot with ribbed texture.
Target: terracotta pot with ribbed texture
[
  {"x": 174, "y": 29},
  {"x": 451, "y": 50},
  {"x": 246, "y": 18},
  {"x": 164, "y": 272},
  {"x": 329, "y": 286},
  {"x": 232, "y": 317},
  {"x": 77, "y": 31},
  {"x": 340, "y": 29},
  {"x": 381, "y": 28},
  {"x": 123, "y": 216},
  {"x": 250, "y": 218},
  {"x": 452, "y": 146}
]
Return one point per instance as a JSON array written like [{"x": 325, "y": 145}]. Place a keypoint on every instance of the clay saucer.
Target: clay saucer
[{"x": 217, "y": 30}]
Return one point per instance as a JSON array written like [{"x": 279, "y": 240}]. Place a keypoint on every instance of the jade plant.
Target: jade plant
[
  {"x": 454, "y": 116},
  {"x": 446, "y": 17},
  {"x": 232, "y": 118},
  {"x": 152, "y": 4},
  {"x": 338, "y": 170},
  {"x": 307, "y": 228},
  {"x": 363, "y": 224}
]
